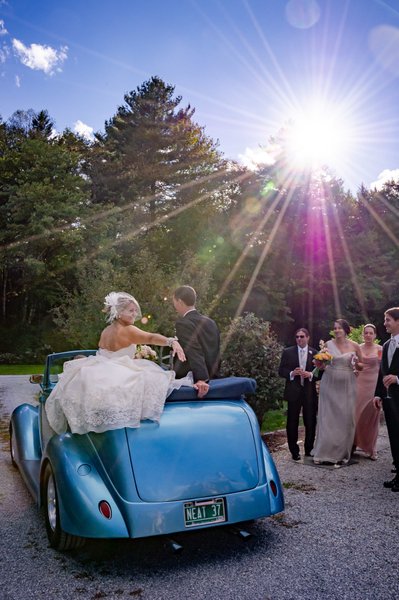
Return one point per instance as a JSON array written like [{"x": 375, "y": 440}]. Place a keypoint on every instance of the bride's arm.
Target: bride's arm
[
  {"x": 359, "y": 363},
  {"x": 138, "y": 336}
]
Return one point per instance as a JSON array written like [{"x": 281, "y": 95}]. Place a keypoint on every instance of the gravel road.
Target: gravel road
[{"x": 338, "y": 539}]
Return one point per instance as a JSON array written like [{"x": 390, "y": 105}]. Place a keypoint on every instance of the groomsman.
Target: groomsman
[
  {"x": 300, "y": 391},
  {"x": 387, "y": 389},
  {"x": 200, "y": 339}
]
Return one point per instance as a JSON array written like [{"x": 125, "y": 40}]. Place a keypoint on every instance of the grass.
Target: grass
[
  {"x": 20, "y": 369},
  {"x": 276, "y": 419}
]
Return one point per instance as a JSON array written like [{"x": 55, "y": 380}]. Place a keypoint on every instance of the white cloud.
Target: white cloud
[
  {"x": 254, "y": 158},
  {"x": 39, "y": 57},
  {"x": 3, "y": 30},
  {"x": 4, "y": 53},
  {"x": 17, "y": 81},
  {"x": 84, "y": 130},
  {"x": 385, "y": 176}
]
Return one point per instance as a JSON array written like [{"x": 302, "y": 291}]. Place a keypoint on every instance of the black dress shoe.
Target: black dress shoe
[
  {"x": 296, "y": 457},
  {"x": 395, "y": 487},
  {"x": 392, "y": 483},
  {"x": 307, "y": 454}
]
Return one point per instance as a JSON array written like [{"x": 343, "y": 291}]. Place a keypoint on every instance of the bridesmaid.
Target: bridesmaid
[{"x": 367, "y": 417}]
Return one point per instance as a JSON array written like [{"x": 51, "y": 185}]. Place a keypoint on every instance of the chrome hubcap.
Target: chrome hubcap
[{"x": 51, "y": 503}]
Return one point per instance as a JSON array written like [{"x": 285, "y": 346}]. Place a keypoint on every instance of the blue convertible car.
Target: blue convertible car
[{"x": 204, "y": 465}]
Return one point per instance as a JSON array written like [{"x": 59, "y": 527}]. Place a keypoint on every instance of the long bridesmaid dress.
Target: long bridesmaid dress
[
  {"x": 336, "y": 416},
  {"x": 367, "y": 417}
]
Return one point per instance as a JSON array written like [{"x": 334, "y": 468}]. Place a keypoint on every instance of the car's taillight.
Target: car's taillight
[
  {"x": 105, "y": 509},
  {"x": 273, "y": 488}
]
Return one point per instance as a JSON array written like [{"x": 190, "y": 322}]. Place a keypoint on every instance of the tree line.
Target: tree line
[{"x": 152, "y": 203}]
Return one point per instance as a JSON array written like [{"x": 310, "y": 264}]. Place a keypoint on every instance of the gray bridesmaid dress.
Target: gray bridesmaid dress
[{"x": 336, "y": 416}]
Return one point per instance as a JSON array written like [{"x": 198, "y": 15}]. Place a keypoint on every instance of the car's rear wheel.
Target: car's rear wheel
[
  {"x": 59, "y": 539},
  {"x": 12, "y": 447}
]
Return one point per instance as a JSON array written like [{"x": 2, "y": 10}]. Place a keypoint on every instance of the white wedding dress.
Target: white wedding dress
[{"x": 109, "y": 390}]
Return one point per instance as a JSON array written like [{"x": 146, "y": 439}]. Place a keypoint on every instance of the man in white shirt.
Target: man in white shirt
[
  {"x": 300, "y": 391},
  {"x": 387, "y": 389}
]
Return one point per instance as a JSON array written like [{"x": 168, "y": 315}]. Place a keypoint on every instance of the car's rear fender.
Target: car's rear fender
[
  {"x": 25, "y": 426},
  {"x": 81, "y": 486},
  {"x": 268, "y": 473},
  {"x": 275, "y": 488}
]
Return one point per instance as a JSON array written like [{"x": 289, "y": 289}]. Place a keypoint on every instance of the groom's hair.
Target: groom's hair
[
  {"x": 393, "y": 312},
  {"x": 187, "y": 294}
]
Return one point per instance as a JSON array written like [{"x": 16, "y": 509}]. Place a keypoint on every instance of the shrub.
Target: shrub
[
  {"x": 21, "y": 344},
  {"x": 356, "y": 335},
  {"x": 9, "y": 358},
  {"x": 252, "y": 350}
]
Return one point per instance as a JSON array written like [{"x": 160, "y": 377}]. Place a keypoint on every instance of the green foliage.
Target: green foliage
[
  {"x": 253, "y": 351},
  {"x": 80, "y": 319},
  {"x": 20, "y": 344},
  {"x": 153, "y": 204},
  {"x": 356, "y": 335},
  {"x": 43, "y": 199}
]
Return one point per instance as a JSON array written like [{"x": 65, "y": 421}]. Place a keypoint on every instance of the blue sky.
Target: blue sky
[{"x": 245, "y": 65}]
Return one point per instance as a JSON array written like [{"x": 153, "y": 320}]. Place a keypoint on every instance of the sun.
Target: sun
[{"x": 320, "y": 135}]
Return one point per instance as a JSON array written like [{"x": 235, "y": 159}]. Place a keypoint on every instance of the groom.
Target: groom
[
  {"x": 200, "y": 339},
  {"x": 388, "y": 389},
  {"x": 300, "y": 391}
]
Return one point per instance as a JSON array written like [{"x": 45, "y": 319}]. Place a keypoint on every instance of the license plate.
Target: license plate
[{"x": 202, "y": 512}]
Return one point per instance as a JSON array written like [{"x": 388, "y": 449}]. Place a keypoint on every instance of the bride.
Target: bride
[{"x": 112, "y": 389}]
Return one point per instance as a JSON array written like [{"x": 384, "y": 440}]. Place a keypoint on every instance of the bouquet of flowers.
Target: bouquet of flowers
[
  {"x": 321, "y": 359},
  {"x": 143, "y": 351}
]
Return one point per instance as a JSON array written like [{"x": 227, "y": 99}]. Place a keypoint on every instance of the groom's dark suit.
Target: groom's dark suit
[
  {"x": 390, "y": 404},
  {"x": 200, "y": 338},
  {"x": 299, "y": 396}
]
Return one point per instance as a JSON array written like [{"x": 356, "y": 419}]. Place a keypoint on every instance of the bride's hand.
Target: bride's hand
[{"x": 177, "y": 349}]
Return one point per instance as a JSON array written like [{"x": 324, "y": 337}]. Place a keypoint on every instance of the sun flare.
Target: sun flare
[{"x": 318, "y": 136}]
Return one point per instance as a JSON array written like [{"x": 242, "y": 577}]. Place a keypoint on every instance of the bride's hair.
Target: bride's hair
[{"x": 116, "y": 302}]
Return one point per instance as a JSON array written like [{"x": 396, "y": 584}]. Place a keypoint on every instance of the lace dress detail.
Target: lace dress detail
[{"x": 110, "y": 390}]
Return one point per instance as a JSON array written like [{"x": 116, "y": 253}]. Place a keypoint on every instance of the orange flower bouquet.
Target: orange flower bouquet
[{"x": 321, "y": 359}]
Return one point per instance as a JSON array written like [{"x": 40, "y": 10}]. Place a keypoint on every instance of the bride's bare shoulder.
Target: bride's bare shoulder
[{"x": 356, "y": 347}]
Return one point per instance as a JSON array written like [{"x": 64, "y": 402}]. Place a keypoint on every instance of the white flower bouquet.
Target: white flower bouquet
[{"x": 143, "y": 351}]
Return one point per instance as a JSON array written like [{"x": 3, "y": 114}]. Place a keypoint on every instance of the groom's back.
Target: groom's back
[{"x": 200, "y": 338}]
